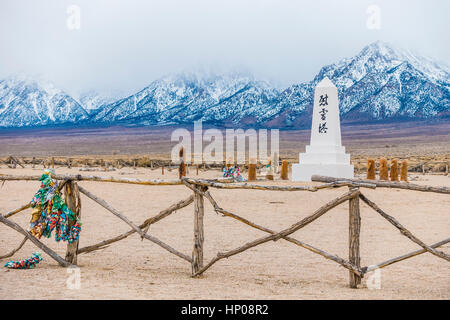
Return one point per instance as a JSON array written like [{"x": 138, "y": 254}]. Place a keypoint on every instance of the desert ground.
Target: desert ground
[{"x": 135, "y": 269}]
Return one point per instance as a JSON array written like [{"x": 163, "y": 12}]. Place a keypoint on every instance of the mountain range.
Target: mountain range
[{"x": 380, "y": 83}]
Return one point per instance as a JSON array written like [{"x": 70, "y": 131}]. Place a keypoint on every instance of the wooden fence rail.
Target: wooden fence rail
[{"x": 200, "y": 189}]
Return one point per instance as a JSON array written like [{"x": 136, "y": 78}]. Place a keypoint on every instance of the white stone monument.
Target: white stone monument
[{"x": 325, "y": 155}]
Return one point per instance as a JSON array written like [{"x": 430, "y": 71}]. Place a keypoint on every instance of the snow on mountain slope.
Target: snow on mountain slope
[
  {"x": 27, "y": 102},
  {"x": 188, "y": 97},
  {"x": 378, "y": 83},
  {"x": 92, "y": 100}
]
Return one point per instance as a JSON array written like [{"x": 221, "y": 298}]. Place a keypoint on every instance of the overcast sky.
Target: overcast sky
[{"x": 123, "y": 45}]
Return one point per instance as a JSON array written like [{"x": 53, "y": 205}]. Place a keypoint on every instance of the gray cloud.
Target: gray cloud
[{"x": 123, "y": 45}]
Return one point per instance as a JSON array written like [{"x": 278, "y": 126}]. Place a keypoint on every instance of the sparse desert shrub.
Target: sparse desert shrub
[
  {"x": 440, "y": 167},
  {"x": 144, "y": 162}
]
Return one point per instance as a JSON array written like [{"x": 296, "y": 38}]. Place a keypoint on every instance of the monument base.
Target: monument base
[{"x": 304, "y": 171}]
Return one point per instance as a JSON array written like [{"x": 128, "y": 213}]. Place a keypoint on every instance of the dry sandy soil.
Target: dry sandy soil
[{"x": 135, "y": 269}]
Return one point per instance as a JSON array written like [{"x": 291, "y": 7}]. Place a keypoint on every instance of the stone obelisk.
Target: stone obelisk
[{"x": 325, "y": 155}]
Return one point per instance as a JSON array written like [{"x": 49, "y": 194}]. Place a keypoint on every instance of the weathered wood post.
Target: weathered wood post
[
  {"x": 354, "y": 232},
  {"x": 284, "y": 170},
  {"x": 371, "y": 169},
  {"x": 197, "y": 252},
  {"x": 72, "y": 197},
  {"x": 182, "y": 168},
  {"x": 384, "y": 170},
  {"x": 404, "y": 171},
  {"x": 393, "y": 174}
]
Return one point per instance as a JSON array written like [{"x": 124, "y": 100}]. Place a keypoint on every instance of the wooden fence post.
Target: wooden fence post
[
  {"x": 72, "y": 197},
  {"x": 197, "y": 253},
  {"x": 354, "y": 234}
]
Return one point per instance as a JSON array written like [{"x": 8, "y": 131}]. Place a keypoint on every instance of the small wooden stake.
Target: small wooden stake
[
  {"x": 404, "y": 171},
  {"x": 53, "y": 162},
  {"x": 284, "y": 170},
  {"x": 182, "y": 167},
  {"x": 394, "y": 170},
  {"x": 162, "y": 170},
  {"x": 384, "y": 175},
  {"x": 251, "y": 172},
  {"x": 354, "y": 233},
  {"x": 72, "y": 196},
  {"x": 371, "y": 169},
  {"x": 197, "y": 253}
]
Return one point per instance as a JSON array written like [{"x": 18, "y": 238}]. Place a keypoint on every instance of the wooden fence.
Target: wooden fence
[{"x": 200, "y": 192}]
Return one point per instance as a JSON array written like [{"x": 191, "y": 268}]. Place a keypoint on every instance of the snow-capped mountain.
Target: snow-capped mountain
[
  {"x": 187, "y": 97},
  {"x": 379, "y": 83},
  {"x": 28, "y": 102}
]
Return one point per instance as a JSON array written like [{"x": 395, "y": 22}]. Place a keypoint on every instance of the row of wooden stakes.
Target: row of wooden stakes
[
  {"x": 252, "y": 169},
  {"x": 385, "y": 173}
]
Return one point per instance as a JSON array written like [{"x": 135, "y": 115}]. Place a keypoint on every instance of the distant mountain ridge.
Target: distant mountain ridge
[
  {"x": 380, "y": 83},
  {"x": 26, "y": 102}
]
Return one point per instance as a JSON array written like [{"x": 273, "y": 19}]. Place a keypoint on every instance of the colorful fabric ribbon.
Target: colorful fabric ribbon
[
  {"x": 233, "y": 172},
  {"x": 29, "y": 263},
  {"x": 51, "y": 212}
]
